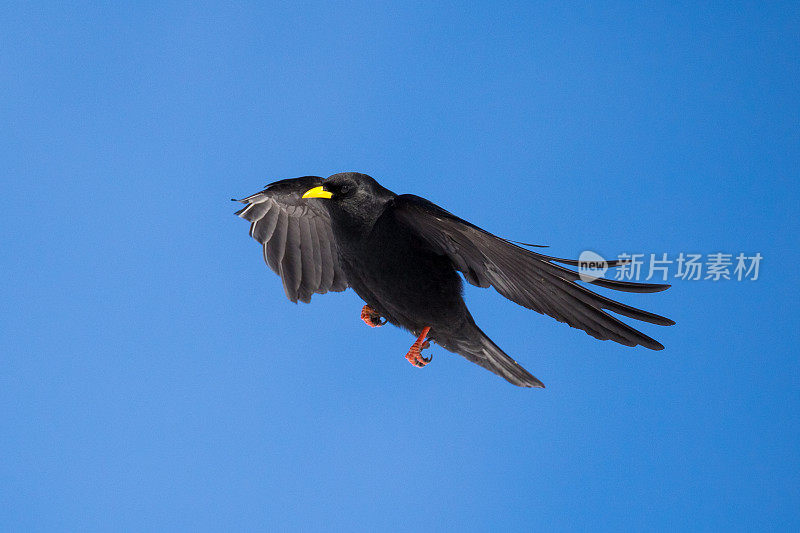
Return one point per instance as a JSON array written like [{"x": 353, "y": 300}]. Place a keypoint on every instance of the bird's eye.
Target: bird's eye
[{"x": 344, "y": 189}]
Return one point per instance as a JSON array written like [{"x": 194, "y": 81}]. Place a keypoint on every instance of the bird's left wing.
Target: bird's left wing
[
  {"x": 528, "y": 278},
  {"x": 296, "y": 236}
]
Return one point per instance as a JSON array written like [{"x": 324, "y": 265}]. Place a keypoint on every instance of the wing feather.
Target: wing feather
[
  {"x": 316, "y": 250},
  {"x": 296, "y": 237},
  {"x": 291, "y": 269},
  {"x": 327, "y": 256},
  {"x": 528, "y": 278},
  {"x": 306, "y": 261},
  {"x": 275, "y": 247}
]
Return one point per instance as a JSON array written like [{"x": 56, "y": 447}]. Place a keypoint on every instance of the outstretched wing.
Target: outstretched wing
[
  {"x": 296, "y": 236},
  {"x": 530, "y": 279}
]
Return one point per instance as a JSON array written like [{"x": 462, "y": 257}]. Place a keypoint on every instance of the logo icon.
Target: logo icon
[{"x": 591, "y": 266}]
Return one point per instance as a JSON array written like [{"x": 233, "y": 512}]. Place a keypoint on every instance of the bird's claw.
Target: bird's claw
[
  {"x": 414, "y": 354},
  {"x": 415, "y": 358},
  {"x": 371, "y": 317}
]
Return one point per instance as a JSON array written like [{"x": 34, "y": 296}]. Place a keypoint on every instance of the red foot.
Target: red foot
[
  {"x": 371, "y": 317},
  {"x": 414, "y": 354}
]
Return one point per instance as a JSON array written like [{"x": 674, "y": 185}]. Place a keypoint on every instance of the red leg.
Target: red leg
[
  {"x": 371, "y": 317},
  {"x": 414, "y": 354}
]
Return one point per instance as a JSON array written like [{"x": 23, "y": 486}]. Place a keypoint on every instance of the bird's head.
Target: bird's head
[{"x": 352, "y": 195}]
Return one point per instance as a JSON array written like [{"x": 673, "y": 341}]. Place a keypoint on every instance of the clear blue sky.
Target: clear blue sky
[{"x": 154, "y": 377}]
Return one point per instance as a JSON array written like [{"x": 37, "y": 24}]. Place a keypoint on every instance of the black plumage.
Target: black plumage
[{"x": 402, "y": 255}]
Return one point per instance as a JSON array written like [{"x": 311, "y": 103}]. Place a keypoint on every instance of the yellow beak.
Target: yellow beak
[{"x": 317, "y": 192}]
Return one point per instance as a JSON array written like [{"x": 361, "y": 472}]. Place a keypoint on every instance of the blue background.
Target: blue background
[{"x": 155, "y": 377}]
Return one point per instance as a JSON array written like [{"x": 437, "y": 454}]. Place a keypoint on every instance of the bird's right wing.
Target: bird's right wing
[
  {"x": 528, "y": 278},
  {"x": 296, "y": 236}
]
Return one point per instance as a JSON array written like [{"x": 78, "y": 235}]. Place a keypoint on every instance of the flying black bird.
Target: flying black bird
[{"x": 402, "y": 254}]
